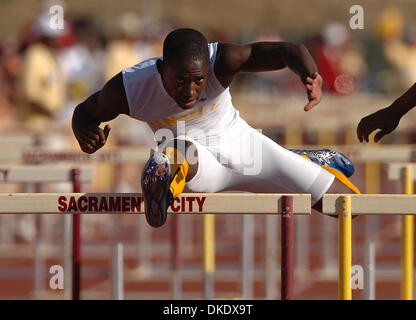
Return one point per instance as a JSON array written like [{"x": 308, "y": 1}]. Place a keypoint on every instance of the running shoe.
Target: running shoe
[
  {"x": 329, "y": 158},
  {"x": 155, "y": 181}
]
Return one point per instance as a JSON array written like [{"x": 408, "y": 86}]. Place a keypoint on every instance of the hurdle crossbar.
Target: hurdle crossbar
[
  {"x": 107, "y": 203},
  {"x": 47, "y": 155},
  {"x": 43, "y": 173},
  {"x": 11, "y": 139},
  {"x": 363, "y": 204},
  {"x": 395, "y": 170},
  {"x": 26, "y": 154}
]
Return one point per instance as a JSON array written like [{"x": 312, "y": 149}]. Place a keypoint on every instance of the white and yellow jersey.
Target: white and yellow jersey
[{"x": 213, "y": 115}]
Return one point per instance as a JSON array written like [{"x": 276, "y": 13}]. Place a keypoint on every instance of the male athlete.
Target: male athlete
[
  {"x": 387, "y": 119},
  {"x": 184, "y": 96}
]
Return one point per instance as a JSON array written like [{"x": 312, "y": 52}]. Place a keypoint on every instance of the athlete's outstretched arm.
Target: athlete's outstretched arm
[
  {"x": 101, "y": 106},
  {"x": 387, "y": 119},
  {"x": 268, "y": 56}
]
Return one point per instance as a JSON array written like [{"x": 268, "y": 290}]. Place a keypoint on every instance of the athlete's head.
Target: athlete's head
[{"x": 185, "y": 66}]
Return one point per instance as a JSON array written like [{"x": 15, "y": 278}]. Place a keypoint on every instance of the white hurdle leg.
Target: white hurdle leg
[
  {"x": 39, "y": 258},
  {"x": 187, "y": 235},
  {"x": 329, "y": 246},
  {"x": 247, "y": 257},
  {"x": 144, "y": 257},
  {"x": 39, "y": 263},
  {"x": 270, "y": 257},
  {"x": 371, "y": 228},
  {"x": 8, "y": 226},
  {"x": 302, "y": 245},
  {"x": 117, "y": 275},
  {"x": 67, "y": 255},
  {"x": 369, "y": 270}
]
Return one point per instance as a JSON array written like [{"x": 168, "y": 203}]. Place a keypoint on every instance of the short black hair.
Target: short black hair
[{"x": 185, "y": 44}]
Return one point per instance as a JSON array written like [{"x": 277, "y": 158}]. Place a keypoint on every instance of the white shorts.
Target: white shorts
[{"x": 252, "y": 162}]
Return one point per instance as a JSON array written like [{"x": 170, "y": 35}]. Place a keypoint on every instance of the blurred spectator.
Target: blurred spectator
[
  {"x": 11, "y": 65},
  {"x": 43, "y": 82},
  {"x": 128, "y": 48},
  {"x": 82, "y": 64},
  {"x": 10, "y": 68},
  {"x": 385, "y": 76},
  {"x": 399, "y": 46},
  {"x": 339, "y": 59}
]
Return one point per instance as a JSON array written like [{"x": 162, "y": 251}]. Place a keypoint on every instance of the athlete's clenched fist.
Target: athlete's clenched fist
[{"x": 92, "y": 138}]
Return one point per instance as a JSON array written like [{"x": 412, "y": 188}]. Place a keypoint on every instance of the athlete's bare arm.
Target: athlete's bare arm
[
  {"x": 387, "y": 119},
  {"x": 101, "y": 106},
  {"x": 268, "y": 56}
]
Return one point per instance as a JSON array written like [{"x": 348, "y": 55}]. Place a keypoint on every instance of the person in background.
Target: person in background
[
  {"x": 43, "y": 83},
  {"x": 10, "y": 69},
  {"x": 82, "y": 63},
  {"x": 399, "y": 48},
  {"x": 127, "y": 48},
  {"x": 339, "y": 59}
]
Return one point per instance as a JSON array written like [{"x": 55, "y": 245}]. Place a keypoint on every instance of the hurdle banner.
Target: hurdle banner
[{"x": 90, "y": 203}]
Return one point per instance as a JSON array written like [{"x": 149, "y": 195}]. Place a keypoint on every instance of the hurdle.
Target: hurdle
[
  {"x": 347, "y": 205},
  {"x": 137, "y": 155},
  {"x": 24, "y": 153},
  {"x": 11, "y": 139},
  {"x": 114, "y": 155},
  {"x": 373, "y": 156},
  {"x": 405, "y": 173},
  {"x": 50, "y": 174},
  {"x": 193, "y": 203},
  {"x": 396, "y": 156}
]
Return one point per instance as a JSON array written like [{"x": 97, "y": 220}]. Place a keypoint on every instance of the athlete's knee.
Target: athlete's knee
[
  {"x": 183, "y": 147},
  {"x": 182, "y": 151}
]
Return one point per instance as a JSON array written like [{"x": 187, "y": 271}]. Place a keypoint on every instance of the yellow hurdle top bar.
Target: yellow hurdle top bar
[{"x": 107, "y": 203}]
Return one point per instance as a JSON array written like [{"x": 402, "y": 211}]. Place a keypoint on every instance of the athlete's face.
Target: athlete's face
[{"x": 184, "y": 81}]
